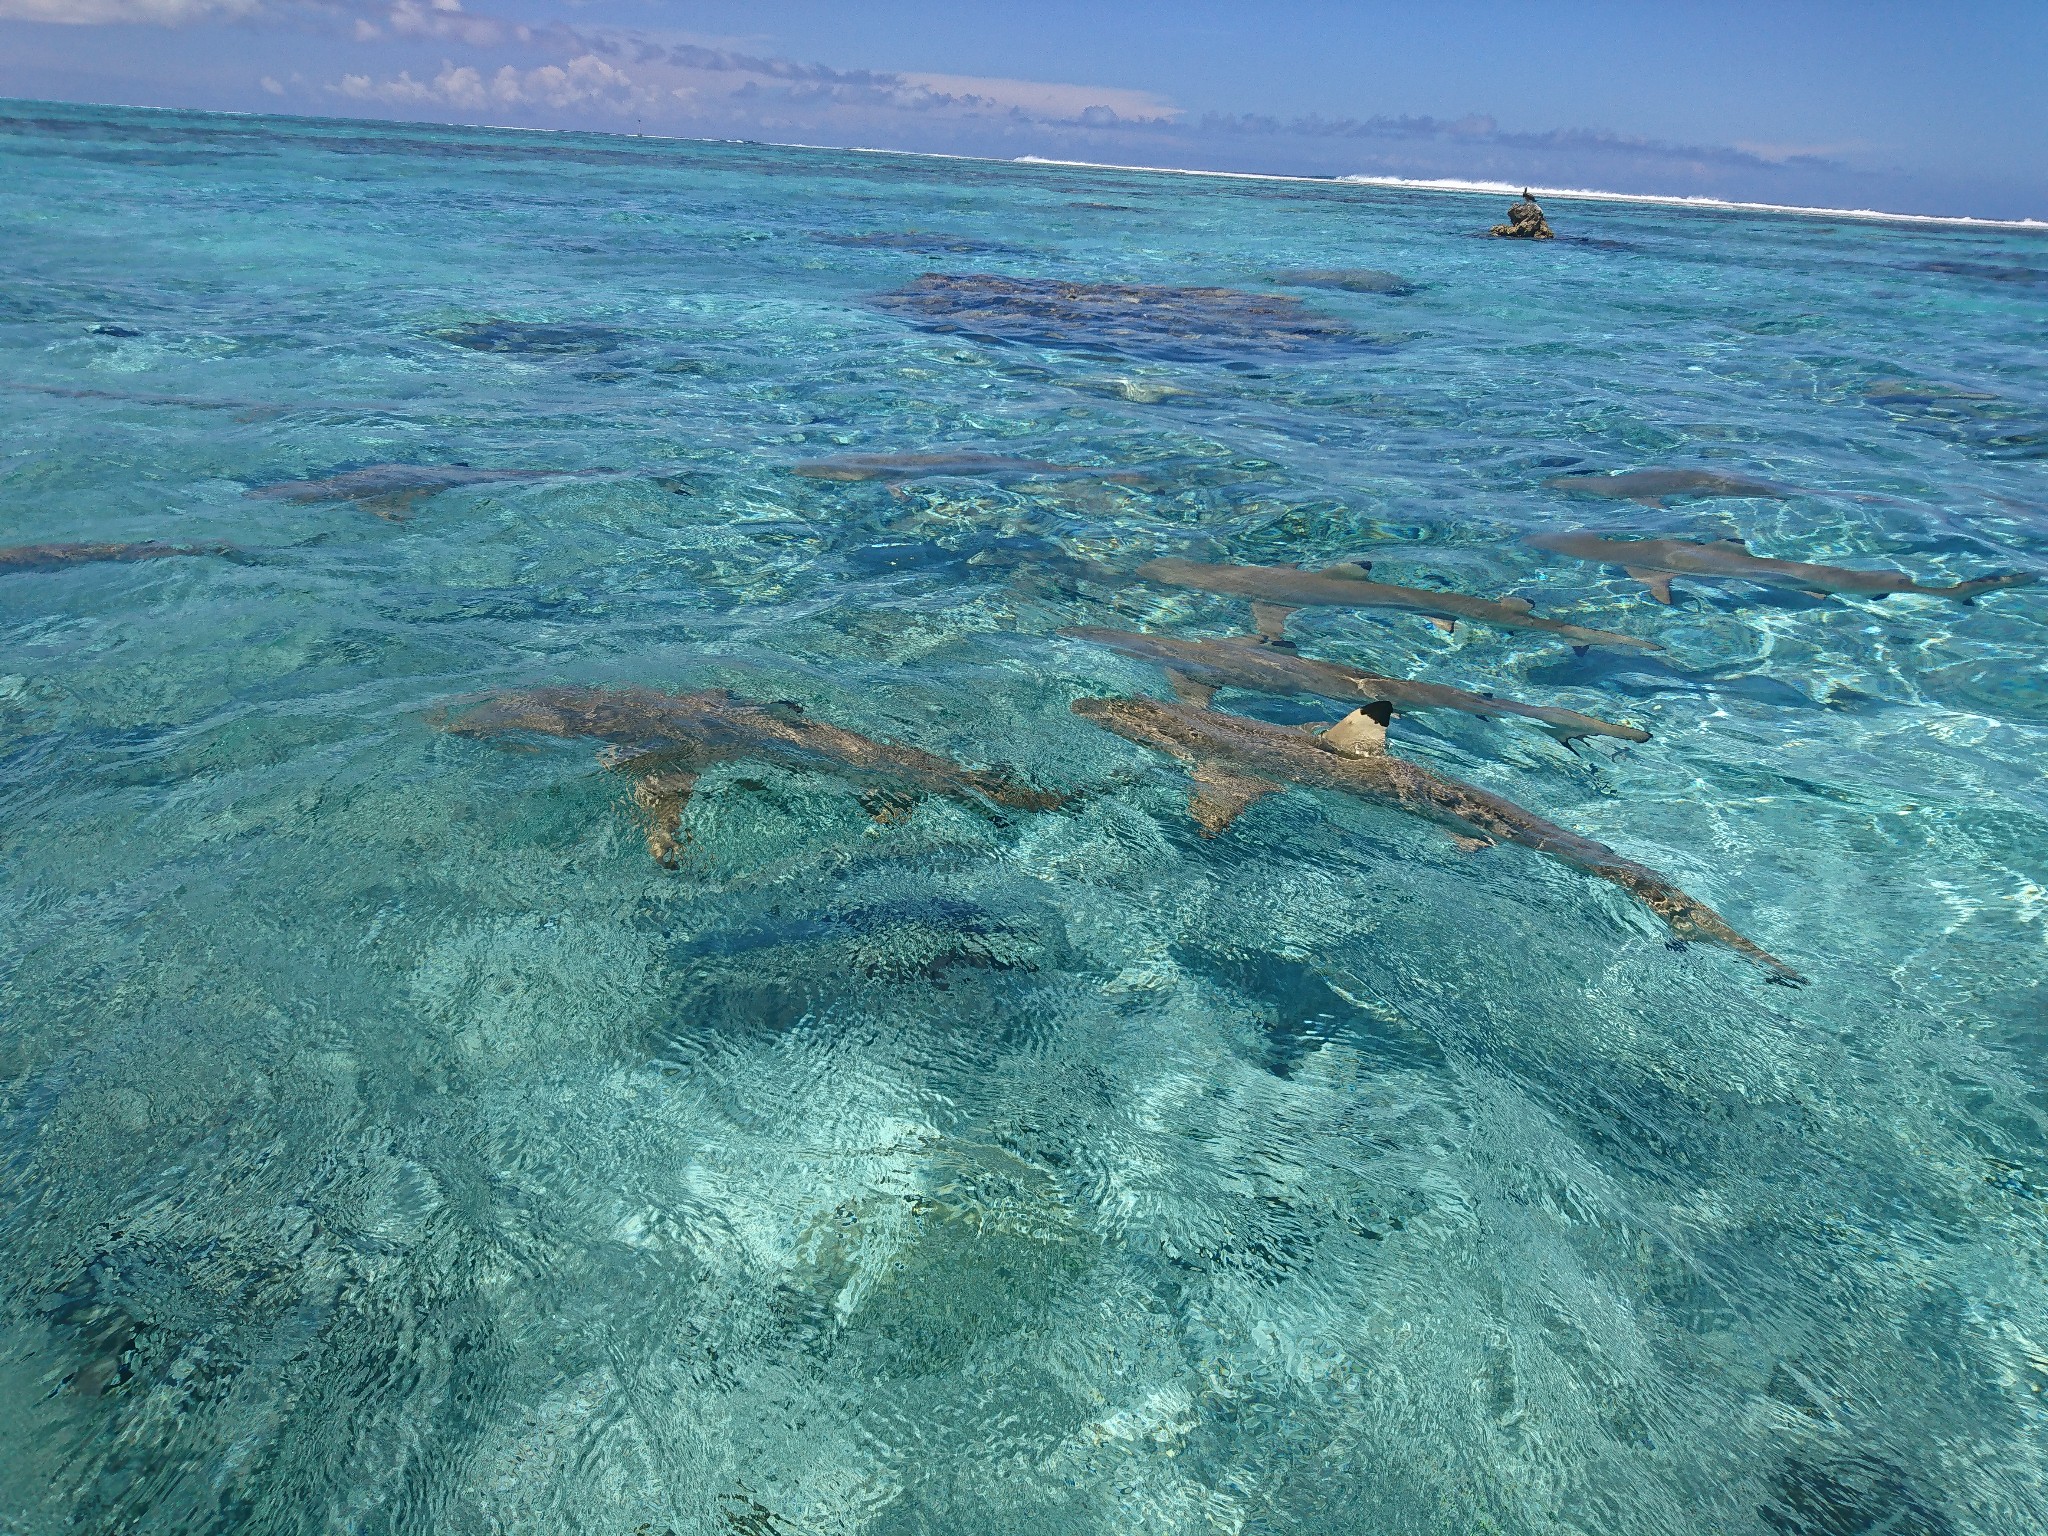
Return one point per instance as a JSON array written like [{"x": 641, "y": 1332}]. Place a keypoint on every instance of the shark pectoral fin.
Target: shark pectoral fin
[
  {"x": 1471, "y": 844},
  {"x": 662, "y": 793},
  {"x": 1188, "y": 691},
  {"x": 1349, "y": 570},
  {"x": 1448, "y": 626},
  {"x": 1270, "y": 619},
  {"x": 1361, "y": 733},
  {"x": 1220, "y": 796},
  {"x": 1826, "y": 595},
  {"x": 1519, "y": 604},
  {"x": 1659, "y": 582}
]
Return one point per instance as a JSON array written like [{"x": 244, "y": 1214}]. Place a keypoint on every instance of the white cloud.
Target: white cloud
[
  {"x": 586, "y": 81},
  {"x": 1039, "y": 99},
  {"x": 270, "y": 84},
  {"x": 98, "y": 13},
  {"x": 444, "y": 19}
]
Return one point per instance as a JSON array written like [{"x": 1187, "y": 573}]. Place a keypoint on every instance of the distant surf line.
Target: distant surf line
[{"x": 1505, "y": 188}]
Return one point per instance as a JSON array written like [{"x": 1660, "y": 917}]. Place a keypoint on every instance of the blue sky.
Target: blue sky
[{"x": 1931, "y": 108}]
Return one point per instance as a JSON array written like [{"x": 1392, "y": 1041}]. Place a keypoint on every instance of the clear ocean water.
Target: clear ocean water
[{"x": 389, "y": 1144}]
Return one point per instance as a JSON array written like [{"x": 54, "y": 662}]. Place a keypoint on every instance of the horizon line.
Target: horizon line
[{"x": 1401, "y": 183}]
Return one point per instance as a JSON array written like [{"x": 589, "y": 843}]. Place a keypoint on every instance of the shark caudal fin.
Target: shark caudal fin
[{"x": 1970, "y": 591}]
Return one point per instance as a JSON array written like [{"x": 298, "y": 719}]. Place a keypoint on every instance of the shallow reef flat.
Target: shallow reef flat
[{"x": 940, "y": 1133}]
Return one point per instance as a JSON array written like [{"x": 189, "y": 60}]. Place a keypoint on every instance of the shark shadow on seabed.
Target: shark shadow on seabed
[
  {"x": 1990, "y": 424},
  {"x": 1135, "y": 320},
  {"x": 1237, "y": 761},
  {"x": 666, "y": 741}
]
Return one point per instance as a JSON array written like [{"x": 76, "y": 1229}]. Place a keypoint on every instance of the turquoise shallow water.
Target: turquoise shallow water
[{"x": 388, "y": 1144}]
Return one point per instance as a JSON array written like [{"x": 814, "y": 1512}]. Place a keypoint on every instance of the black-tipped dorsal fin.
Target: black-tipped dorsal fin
[
  {"x": 1349, "y": 570},
  {"x": 1732, "y": 544},
  {"x": 1270, "y": 619},
  {"x": 1448, "y": 626},
  {"x": 1221, "y": 795},
  {"x": 1363, "y": 732},
  {"x": 1187, "y": 690},
  {"x": 1659, "y": 582}
]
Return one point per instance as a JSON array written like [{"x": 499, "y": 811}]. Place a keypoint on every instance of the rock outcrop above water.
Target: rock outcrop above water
[{"x": 1525, "y": 221}]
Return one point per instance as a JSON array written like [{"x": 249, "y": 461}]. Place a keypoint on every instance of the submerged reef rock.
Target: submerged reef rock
[
  {"x": 1140, "y": 320},
  {"x": 1350, "y": 279},
  {"x": 1525, "y": 221}
]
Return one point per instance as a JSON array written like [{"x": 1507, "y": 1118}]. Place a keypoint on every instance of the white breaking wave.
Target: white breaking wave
[
  {"x": 1583, "y": 194},
  {"x": 1592, "y": 195}
]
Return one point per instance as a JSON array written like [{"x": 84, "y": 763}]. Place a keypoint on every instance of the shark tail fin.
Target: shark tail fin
[{"x": 1970, "y": 591}]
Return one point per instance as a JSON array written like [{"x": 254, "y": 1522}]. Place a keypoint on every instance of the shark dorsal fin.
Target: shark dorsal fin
[
  {"x": 1349, "y": 570},
  {"x": 1732, "y": 544},
  {"x": 1361, "y": 733},
  {"x": 1519, "y": 604}
]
